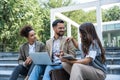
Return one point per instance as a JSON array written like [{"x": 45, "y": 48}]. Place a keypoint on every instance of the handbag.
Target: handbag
[{"x": 59, "y": 74}]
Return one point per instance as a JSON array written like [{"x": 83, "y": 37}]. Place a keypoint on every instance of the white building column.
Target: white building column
[
  {"x": 79, "y": 40},
  {"x": 68, "y": 29},
  {"x": 109, "y": 38},
  {"x": 99, "y": 21},
  {"x": 52, "y": 18}
]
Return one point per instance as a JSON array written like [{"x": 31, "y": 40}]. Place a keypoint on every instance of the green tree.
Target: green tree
[
  {"x": 55, "y": 3},
  {"x": 16, "y": 13},
  {"x": 111, "y": 14},
  {"x": 80, "y": 16}
]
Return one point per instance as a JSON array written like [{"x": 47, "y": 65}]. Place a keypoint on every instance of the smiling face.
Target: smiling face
[{"x": 59, "y": 29}]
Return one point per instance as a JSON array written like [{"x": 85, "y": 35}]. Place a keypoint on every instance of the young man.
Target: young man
[{"x": 54, "y": 46}]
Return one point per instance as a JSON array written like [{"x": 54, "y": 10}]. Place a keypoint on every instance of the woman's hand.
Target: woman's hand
[
  {"x": 28, "y": 61},
  {"x": 69, "y": 39},
  {"x": 73, "y": 40},
  {"x": 63, "y": 59}
]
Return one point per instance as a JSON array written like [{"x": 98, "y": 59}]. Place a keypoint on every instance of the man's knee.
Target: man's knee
[{"x": 48, "y": 68}]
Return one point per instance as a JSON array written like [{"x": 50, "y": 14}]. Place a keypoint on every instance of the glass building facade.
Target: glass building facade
[{"x": 111, "y": 33}]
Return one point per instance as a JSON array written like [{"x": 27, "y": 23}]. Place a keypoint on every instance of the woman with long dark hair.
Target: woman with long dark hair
[{"x": 91, "y": 66}]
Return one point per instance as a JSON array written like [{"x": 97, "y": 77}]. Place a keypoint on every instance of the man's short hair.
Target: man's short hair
[{"x": 54, "y": 24}]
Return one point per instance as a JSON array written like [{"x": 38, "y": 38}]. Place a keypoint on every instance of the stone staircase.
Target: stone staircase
[
  {"x": 8, "y": 61},
  {"x": 113, "y": 65}
]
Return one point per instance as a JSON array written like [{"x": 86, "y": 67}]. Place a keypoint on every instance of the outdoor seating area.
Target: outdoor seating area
[
  {"x": 60, "y": 40},
  {"x": 8, "y": 61}
]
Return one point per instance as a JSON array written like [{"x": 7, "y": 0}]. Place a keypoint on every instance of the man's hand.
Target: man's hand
[{"x": 60, "y": 54}]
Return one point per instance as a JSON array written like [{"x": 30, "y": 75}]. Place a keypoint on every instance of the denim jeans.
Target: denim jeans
[
  {"x": 46, "y": 75},
  {"x": 20, "y": 69},
  {"x": 37, "y": 71}
]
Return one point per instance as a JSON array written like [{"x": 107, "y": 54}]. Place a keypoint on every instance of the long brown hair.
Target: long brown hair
[{"x": 88, "y": 35}]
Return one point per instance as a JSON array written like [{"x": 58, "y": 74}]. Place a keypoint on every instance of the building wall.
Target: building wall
[{"x": 111, "y": 34}]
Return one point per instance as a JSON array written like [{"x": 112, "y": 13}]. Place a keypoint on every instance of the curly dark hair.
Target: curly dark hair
[{"x": 24, "y": 32}]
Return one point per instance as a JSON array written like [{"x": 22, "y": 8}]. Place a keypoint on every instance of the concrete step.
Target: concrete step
[
  {"x": 109, "y": 60},
  {"x": 113, "y": 69},
  {"x": 7, "y": 66},
  {"x": 112, "y": 54},
  {"x": 112, "y": 77},
  {"x": 112, "y": 48},
  {"x": 5, "y": 75},
  {"x": 8, "y": 54},
  {"x": 8, "y": 60},
  {"x": 113, "y": 60},
  {"x": 107, "y": 53}
]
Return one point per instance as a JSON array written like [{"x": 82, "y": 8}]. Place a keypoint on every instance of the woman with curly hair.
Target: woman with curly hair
[{"x": 32, "y": 45}]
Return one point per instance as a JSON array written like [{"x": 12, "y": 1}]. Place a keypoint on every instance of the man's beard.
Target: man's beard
[{"x": 60, "y": 34}]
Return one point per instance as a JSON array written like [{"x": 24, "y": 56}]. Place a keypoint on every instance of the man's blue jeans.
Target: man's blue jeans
[
  {"x": 38, "y": 70},
  {"x": 46, "y": 75}
]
